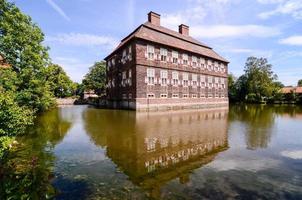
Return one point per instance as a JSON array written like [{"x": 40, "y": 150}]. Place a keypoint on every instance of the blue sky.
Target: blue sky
[{"x": 80, "y": 32}]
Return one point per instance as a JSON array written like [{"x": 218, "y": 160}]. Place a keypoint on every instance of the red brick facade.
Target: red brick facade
[{"x": 155, "y": 67}]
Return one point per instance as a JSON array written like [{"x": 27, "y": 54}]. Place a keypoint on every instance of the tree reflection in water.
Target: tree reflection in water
[
  {"x": 259, "y": 120},
  {"x": 27, "y": 171},
  {"x": 154, "y": 148}
]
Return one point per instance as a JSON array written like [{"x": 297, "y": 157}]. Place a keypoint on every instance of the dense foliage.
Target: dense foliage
[
  {"x": 300, "y": 83},
  {"x": 21, "y": 46},
  {"x": 95, "y": 79},
  {"x": 28, "y": 82},
  {"x": 59, "y": 82},
  {"x": 257, "y": 84}
]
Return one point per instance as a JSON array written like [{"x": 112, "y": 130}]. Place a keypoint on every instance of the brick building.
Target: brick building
[{"x": 156, "y": 67}]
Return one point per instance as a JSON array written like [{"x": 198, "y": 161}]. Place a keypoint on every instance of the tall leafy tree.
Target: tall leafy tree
[
  {"x": 60, "y": 83},
  {"x": 300, "y": 83},
  {"x": 21, "y": 45},
  {"x": 95, "y": 79},
  {"x": 260, "y": 77}
]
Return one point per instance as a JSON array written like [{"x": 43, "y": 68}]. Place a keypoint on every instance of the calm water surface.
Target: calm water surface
[{"x": 244, "y": 152}]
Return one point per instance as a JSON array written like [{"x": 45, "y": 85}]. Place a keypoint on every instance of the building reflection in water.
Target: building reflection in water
[{"x": 156, "y": 147}]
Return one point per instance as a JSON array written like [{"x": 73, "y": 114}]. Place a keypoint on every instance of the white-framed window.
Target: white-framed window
[
  {"x": 210, "y": 81},
  {"x": 185, "y": 59},
  {"x": 194, "y": 61},
  {"x": 222, "y": 68},
  {"x": 130, "y": 95},
  {"x": 175, "y": 57},
  {"x": 185, "y": 79},
  {"x": 185, "y": 96},
  {"x": 109, "y": 64},
  {"x": 130, "y": 77},
  {"x": 164, "y": 96},
  {"x": 124, "y": 78},
  {"x": 163, "y": 54},
  {"x": 150, "y": 95},
  {"x": 150, "y": 76},
  {"x": 216, "y": 66},
  {"x": 202, "y": 63},
  {"x": 130, "y": 52},
  {"x": 124, "y": 53},
  {"x": 174, "y": 95},
  {"x": 194, "y": 96},
  {"x": 124, "y": 75},
  {"x": 164, "y": 77},
  {"x": 113, "y": 82},
  {"x": 113, "y": 61},
  {"x": 223, "y": 82},
  {"x": 202, "y": 81},
  {"x": 209, "y": 65},
  {"x": 194, "y": 80},
  {"x": 124, "y": 96},
  {"x": 129, "y": 49},
  {"x": 130, "y": 73},
  {"x": 175, "y": 78},
  {"x": 150, "y": 52},
  {"x": 216, "y": 82}
]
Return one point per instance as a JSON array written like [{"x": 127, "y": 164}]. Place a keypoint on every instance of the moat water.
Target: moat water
[{"x": 243, "y": 152}]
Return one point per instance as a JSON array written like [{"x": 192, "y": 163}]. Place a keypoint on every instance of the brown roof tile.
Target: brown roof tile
[
  {"x": 299, "y": 90},
  {"x": 162, "y": 35},
  {"x": 286, "y": 90}
]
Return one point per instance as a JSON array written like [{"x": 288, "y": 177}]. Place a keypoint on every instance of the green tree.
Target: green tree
[
  {"x": 232, "y": 87},
  {"x": 260, "y": 77},
  {"x": 60, "y": 83},
  {"x": 300, "y": 83},
  {"x": 13, "y": 119},
  {"x": 95, "y": 79},
  {"x": 21, "y": 45}
]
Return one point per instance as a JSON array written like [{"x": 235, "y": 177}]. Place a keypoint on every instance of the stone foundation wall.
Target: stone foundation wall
[
  {"x": 144, "y": 104},
  {"x": 180, "y": 103}
]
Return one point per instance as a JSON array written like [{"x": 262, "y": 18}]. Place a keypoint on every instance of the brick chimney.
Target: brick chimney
[
  {"x": 154, "y": 18},
  {"x": 183, "y": 29}
]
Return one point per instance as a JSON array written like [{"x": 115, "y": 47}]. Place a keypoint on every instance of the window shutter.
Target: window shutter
[
  {"x": 146, "y": 79},
  {"x": 146, "y": 55},
  {"x": 159, "y": 81}
]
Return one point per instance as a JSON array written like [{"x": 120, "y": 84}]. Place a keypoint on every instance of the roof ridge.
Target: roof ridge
[{"x": 177, "y": 35}]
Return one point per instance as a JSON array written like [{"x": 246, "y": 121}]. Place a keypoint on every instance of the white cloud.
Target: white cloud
[
  {"x": 292, "y": 40},
  {"x": 292, "y": 154},
  {"x": 196, "y": 12},
  {"x": 172, "y": 20},
  {"x": 58, "y": 9},
  {"x": 79, "y": 39},
  {"x": 243, "y": 164},
  {"x": 290, "y": 7},
  {"x": 223, "y": 31}
]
